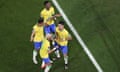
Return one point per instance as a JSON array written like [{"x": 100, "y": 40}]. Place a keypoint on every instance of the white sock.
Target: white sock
[
  {"x": 47, "y": 68},
  {"x": 34, "y": 56},
  {"x": 43, "y": 64},
  {"x": 57, "y": 53},
  {"x": 53, "y": 43},
  {"x": 66, "y": 59}
]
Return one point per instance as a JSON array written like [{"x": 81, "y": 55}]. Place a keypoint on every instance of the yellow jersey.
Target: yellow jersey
[
  {"x": 62, "y": 36},
  {"x": 46, "y": 14},
  {"x": 44, "y": 49},
  {"x": 39, "y": 33}
]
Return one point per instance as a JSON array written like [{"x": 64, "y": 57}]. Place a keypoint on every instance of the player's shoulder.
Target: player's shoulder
[
  {"x": 45, "y": 41},
  {"x": 57, "y": 29},
  {"x": 52, "y": 8},
  {"x": 43, "y": 10},
  {"x": 35, "y": 26},
  {"x": 66, "y": 31}
]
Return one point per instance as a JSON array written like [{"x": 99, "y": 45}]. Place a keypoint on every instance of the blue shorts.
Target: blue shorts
[
  {"x": 64, "y": 49},
  {"x": 46, "y": 60},
  {"x": 37, "y": 45},
  {"x": 50, "y": 29}
]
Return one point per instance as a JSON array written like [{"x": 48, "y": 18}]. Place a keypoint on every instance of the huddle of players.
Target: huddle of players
[{"x": 41, "y": 42}]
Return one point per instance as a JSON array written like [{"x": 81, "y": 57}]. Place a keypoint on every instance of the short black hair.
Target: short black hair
[
  {"x": 40, "y": 20},
  {"x": 61, "y": 22},
  {"x": 45, "y": 2}
]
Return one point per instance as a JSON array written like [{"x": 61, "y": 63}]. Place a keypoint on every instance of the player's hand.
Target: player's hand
[
  {"x": 58, "y": 15},
  {"x": 62, "y": 39}
]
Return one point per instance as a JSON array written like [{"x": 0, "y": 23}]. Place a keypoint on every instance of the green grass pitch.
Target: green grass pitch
[{"x": 97, "y": 21}]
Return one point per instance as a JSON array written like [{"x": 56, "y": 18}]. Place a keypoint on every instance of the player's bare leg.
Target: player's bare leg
[
  {"x": 47, "y": 68},
  {"x": 43, "y": 65},
  {"x": 57, "y": 53}
]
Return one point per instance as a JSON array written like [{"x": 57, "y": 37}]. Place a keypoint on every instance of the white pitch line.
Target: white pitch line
[{"x": 81, "y": 42}]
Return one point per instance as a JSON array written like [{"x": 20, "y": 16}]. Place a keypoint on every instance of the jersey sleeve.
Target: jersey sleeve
[
  {"x": 34, "y": 28},
  {"x": 42, "y": 14},
  {"x": 67, "y": 34}
]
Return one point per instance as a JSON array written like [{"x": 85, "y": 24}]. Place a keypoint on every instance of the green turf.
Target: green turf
[
  {"x": 16, "y": 21},
  {"x": 97, "y": 21}
]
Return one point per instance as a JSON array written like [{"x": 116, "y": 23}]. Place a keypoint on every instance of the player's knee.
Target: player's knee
[
  {"x": 37, "y": 49},
  {"x": 65, "y": 54}
]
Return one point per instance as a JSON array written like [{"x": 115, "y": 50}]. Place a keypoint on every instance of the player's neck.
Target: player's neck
[
  {"x": 61, "y": 29},
  {"x": 39, "y": 25},
  {"x": 47, "y": 9}
]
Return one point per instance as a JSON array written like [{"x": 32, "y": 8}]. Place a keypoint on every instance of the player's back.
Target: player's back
[
  {"x": 46, "y": 14},
  {"x": 44, "y": 48},
  {"x": 39, "y": 32}
]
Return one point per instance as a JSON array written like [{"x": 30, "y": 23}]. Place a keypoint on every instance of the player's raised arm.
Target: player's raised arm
[
  {"x": 52, "y": 50},
  {"x": 54, "y": 17}
]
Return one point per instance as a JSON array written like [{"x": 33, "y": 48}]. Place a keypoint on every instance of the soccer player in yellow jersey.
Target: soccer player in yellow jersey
[
  {"x": 62, "y": 38},
  {"x": 37, "y": 36},
  {"x": 48, "y": 13},
  {"x": 44, "y": 52}
]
